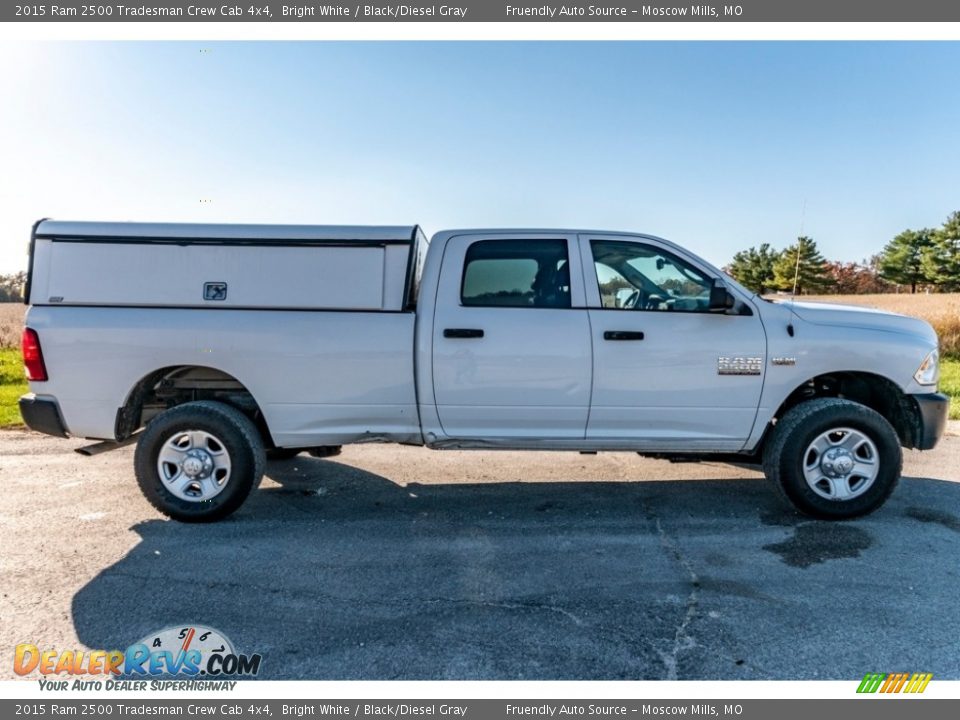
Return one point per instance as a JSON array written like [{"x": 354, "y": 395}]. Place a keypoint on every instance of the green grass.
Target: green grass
[
  {"x": 950, "y": 384},
  {"x": 13, "y": 384}
]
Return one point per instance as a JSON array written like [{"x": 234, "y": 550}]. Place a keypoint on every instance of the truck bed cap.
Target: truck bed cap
[
  {"x": 191, "y": 265},
  {"x": 147, "y": 232}
]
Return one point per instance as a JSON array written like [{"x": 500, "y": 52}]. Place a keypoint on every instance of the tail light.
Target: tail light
[{"x": 33, "y": 356}]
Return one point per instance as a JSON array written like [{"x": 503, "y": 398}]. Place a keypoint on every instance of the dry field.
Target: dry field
[
  {"x": 11, "y": 324},
  {"x": 940, "y": 310}
]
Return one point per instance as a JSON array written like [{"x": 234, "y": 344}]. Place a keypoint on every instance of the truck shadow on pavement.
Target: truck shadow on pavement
[{"x": 332, "y": 572}]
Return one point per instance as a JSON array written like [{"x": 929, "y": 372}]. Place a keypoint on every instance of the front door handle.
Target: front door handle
[
  {"x": 622, "y": 335},
  {"x": 462, "y": 333}
]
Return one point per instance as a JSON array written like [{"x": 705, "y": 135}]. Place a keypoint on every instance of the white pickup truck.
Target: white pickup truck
[{"x": 224, "y": 344}]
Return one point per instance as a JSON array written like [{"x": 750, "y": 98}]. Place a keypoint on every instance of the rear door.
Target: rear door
[
  {"x": 668, "y": 373},
  {"x": 511, "y": 338}
]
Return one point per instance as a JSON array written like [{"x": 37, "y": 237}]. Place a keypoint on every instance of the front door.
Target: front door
[
  {"x": 667, "y": 372},
  {"x": 511, "y": 339}
]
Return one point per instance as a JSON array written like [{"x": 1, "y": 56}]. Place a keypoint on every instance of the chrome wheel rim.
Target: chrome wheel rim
[
  {"x": 194, "y": 465},
  {"x": 841, "y": 464}
]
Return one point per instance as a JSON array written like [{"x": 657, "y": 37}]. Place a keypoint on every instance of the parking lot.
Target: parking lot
[{"x": 390, "y": 562}]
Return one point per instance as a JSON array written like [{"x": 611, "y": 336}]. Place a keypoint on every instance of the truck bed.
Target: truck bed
[{"x": 317, "y": 320}]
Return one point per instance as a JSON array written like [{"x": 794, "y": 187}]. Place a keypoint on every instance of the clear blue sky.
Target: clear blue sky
[{"x": 714, "y": 145}]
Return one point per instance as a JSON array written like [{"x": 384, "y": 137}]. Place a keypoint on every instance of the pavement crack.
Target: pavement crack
[{"x": 682, "y": 638}]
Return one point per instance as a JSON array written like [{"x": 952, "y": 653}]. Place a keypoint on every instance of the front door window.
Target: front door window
[{"x": 636, "y": 276}]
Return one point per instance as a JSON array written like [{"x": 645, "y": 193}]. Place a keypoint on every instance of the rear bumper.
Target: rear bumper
[
  {"x": 42, "y": 415},
  {"x": 932, "y": 418}
]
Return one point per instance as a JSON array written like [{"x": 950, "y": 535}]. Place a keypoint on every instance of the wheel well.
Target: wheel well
[
  {"x": 171, "y": 386},
  {"x": 875, "y": 391}
]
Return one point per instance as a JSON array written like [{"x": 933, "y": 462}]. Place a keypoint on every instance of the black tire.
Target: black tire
[
  {"x": 238, "y": 437},
  {"x": 282, "y": 453},
  {"x": 325, "y": 451},
  {"x": 790, "y": 441}
]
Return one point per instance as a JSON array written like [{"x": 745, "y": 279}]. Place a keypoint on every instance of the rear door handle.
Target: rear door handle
[
  {"x": 622, "y": 335},
  {"x": 462, "y": 333}
]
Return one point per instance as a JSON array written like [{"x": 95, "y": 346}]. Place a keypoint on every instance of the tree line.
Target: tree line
[{"x": 918, "y": 259}]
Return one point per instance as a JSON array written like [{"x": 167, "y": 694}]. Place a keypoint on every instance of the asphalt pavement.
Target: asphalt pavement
[{"x": 403, "y": 563}]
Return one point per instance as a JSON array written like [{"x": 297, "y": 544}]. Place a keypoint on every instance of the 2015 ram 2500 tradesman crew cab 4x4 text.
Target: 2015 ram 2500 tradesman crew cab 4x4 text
[{"x": 226, "y": 343}]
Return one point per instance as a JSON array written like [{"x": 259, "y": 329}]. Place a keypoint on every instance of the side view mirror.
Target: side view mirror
[{"x": 721, "y": 299}]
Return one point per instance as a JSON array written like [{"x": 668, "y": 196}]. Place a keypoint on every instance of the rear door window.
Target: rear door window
[{"x": 516, "y": 273}]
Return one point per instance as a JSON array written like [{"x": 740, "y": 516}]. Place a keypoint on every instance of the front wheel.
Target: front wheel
[
  {"x": 834, "y": 458},
  {"x": 198, "y": 462}
]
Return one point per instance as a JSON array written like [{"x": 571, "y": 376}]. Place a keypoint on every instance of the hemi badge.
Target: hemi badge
[
  {"x": 739, "y": 365},
  {"x": 783, "y": 361}
]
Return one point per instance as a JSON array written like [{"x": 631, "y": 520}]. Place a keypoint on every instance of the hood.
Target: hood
[{"x": 857, "y": 316}]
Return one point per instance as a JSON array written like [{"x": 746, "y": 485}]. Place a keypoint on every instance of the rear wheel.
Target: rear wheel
[
  {"x": 199, "y": 461},
  {"x": 834, "y": 458}
]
